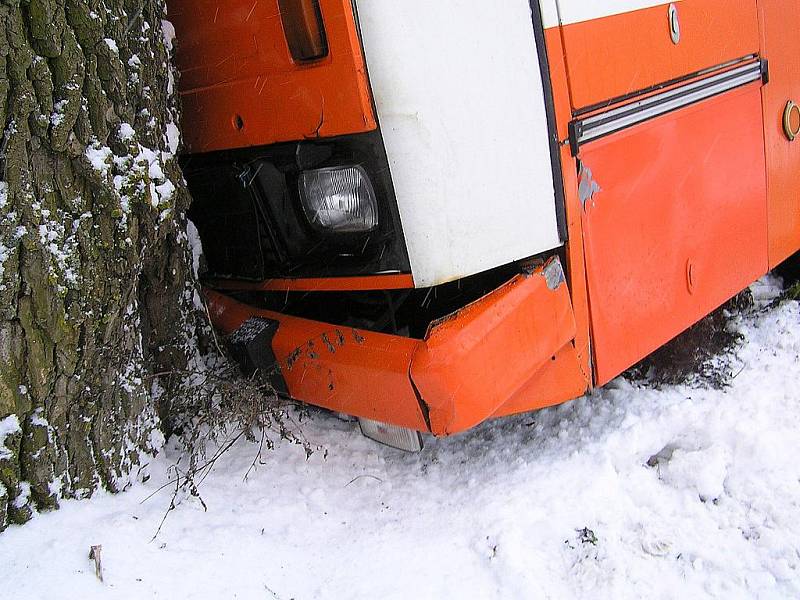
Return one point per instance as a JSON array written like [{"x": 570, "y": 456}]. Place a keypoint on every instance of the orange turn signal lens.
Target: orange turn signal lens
[{"x": 304, "y": 29}]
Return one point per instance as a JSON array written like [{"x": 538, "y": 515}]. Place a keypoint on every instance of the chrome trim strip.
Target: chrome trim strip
[
  {"x": 618, "y": 100},
  {"x": 611, "y": 121}
]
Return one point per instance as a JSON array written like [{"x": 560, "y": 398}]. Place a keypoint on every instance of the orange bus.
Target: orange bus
[{"x": 429, "y": 214}]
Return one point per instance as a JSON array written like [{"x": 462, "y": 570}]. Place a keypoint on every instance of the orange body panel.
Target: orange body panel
[
  {"x": 399, "y": 281},
  {"x": 241, "y": 87},
  {"x": 620, "y": 54},
  {"x": 781, "y": 46},
  {"x": 576, "y": 263},
  {"x": 678, "y": 226},
  {"x": 346, "y": 370},
  {"x": 560, "y": 379},
  {"x": 473, "y": 364}
]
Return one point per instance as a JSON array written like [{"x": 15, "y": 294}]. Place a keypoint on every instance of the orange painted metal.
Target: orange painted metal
[
  {"x": 560, "y": 379},
  {"x": 620, "y": 54},
  {"x": 568, "y": 374},
  {"x": 343, "y": 369},
  {"x": 781, "y": 46},
  {"x": 576, "y": 263},
  {"x": 576, "y": 278},
  {"x": 513, "y": 345},
  {"x": 240, "y": 87},
  {"x": 398, "y": 281},
  {"x": 678, "y": 226},
  {"x": 471, "y": 364}
]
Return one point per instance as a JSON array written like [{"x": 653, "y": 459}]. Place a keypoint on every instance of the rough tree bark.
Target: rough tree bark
[{"x": 96, "y": 290}]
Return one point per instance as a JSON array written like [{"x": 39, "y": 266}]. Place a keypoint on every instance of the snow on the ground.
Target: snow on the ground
[{"x": 630, "y": 493}]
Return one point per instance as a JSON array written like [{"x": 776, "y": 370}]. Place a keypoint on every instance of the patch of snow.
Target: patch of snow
[
  {"x": 165, "y": 191},
  {"x": 5, "y": 253},
  {"x": 61, "y": 247},
  {"x": 156, "y": 439},
  {"x": 154, "y": 196},
  {"x": 136, "y": 176},
  {"x": 37, "y": 420},
  {"x": 195, "y": 245},
  {"x": 702, "y": 472},
  {"x": 8, "y": 426},
  {"x": 766, "y": 290},
  {"x": 173, "y": 137},
  {"x": 4, "y": 191},
  {"x": 56, "y": 486},
  {"x": 24, "y": 495},
  {"x": 100, "y": 157},
  {"x": 126, "y": 132},
  {"x": 168, "y": 32},
  {"x": 112, "y": 45},
  {"x": 130, "y": 380},
  {"x": 57, "y": 117},
  {"x": 155, "y": 169}
]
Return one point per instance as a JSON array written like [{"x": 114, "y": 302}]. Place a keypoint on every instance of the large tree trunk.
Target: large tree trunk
[{"x": 96, "y": 291}]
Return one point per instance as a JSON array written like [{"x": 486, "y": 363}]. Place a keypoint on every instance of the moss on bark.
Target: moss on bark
[{"x": 95, "y": 283}]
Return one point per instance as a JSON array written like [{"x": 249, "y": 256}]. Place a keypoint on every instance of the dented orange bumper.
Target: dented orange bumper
[{"x": 511, "y": 351}]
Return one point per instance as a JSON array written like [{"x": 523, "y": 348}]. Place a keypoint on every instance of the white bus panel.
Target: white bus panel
[{"x": 460, "y": 102}]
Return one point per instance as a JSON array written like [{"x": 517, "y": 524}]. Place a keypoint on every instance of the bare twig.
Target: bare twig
[
  {"x": 213, "y": 333},
  {"x": 219, "y": 409},
  {"x": 94, "y": 554},
  {"x": 354, "y": 479}
]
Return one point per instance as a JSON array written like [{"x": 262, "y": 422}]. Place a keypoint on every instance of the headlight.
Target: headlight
[{"x": 339, "y": 199}]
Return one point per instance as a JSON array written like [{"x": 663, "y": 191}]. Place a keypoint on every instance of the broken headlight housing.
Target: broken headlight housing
[{"x": 339, "y": 199}]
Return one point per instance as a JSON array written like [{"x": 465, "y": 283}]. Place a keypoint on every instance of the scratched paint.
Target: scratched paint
[
  {"x": 553, "y": 274},
  {"x": 587, "y": 186}
]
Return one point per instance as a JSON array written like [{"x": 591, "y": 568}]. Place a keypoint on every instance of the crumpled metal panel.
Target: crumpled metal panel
[
  {"x": 475, "y": 360},
  {"x": 482, "y": 361}
]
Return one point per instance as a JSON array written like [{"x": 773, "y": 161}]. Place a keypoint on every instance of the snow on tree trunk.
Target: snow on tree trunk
[{"x": 96, "y": 289}]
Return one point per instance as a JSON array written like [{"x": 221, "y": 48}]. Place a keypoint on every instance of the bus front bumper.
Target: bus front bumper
[{"x": 508, "y": 352}]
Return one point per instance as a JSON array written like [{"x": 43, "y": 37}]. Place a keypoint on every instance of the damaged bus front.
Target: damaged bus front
[{"x": 419, "y": 213}]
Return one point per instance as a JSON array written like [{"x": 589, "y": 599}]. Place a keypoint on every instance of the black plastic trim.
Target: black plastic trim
[
  {"x": 251, "y": 348},
  {"x": 552, "y": 127}
]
